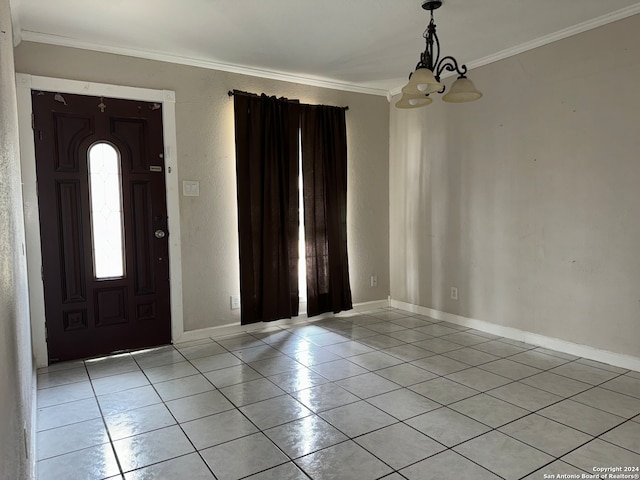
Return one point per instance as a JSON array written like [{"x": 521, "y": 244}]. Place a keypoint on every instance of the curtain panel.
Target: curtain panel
[
  {"x": 267, "y": 132},
  {"x": 324, "y": 173}
]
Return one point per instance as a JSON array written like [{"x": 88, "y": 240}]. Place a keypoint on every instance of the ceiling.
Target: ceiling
[{"x": 358, "y": 45}]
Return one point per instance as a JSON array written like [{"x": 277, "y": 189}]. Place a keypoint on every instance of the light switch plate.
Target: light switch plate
[
  {"x": 235, "y": 302},
  {"x": 190, "y": 188}
]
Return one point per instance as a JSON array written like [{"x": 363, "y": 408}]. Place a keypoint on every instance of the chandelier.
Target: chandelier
[{"x": 425, "y": 80}]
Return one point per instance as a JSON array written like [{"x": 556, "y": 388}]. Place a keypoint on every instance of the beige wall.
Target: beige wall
[
  {"x": 206, "y": 152},
  {"x": 529, "y": 199},
  {"x": 16, "y": 366}
]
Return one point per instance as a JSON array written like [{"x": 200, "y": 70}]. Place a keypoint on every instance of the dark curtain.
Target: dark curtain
[
  {"x": 267, "y": 179},
  {"x": 324, "y": 172}
]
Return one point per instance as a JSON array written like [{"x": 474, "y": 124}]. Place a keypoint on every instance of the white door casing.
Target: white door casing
[{"x": 25, "y": 83}]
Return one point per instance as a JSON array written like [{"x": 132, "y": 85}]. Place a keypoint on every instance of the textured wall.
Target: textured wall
[
  {"x": 16, "y": 371},
  {"x": 528, "y": 200},
  {"x": 206, "y": 152}
]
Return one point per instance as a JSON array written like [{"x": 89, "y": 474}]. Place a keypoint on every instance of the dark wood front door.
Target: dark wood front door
[{"x": 103, "y": 224}]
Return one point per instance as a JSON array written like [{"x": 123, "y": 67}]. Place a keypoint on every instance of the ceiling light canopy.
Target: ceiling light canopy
[{"x": 425, "y": 80}]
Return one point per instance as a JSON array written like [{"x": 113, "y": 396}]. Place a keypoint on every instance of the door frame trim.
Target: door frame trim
[{"x": 25, "y": 83}]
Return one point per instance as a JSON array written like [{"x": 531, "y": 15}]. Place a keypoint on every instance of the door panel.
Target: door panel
[
  {"x": 85, "y": 315},
  {"x": 71, "y": 239},
  {"x": 142, "y": 237},
  {"x": 70, "y": 130}
]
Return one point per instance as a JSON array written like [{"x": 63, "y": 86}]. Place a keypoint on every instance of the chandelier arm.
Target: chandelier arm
[
  {"x": 436, "y": 57},
  {"x": 449, "y": 64},
  {"x": 433, "y": 45}
]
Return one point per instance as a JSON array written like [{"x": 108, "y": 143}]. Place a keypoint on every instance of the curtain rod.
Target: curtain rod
[{"x": 231, "y": 93}]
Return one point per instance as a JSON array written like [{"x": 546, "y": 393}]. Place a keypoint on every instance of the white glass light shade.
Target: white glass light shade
[
  {"x": 413, "y": 101},
  {"x": 462, "y": 90},
  {"x": 422, "y": 81}
]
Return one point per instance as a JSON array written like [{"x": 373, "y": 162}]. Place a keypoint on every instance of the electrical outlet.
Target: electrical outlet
[
  {"x": 235, "y": 302},
  {"x": 454, "y": 293},
  {"x": 374, "y": 280}
]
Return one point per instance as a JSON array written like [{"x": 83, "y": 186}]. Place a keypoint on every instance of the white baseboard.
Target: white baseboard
[
  {"x": 236, "y": 327},
  {"x": 611, "y": 358},
  {"x": 33, "y": 424}
]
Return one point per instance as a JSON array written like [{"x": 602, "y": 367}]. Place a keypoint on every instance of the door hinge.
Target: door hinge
[
  {"x": 33, "y": 122},
  {"x": 42, "y": 272}
]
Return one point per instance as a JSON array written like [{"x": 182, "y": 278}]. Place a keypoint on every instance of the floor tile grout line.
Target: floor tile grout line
[
  {"x": 179, "y": 424},
  {"x": 593, "y": 387},
  {"x": 104, "y": 423},
  {"x": 403, "y": 421},
  {"x": 497, "y": 430},
  {"x": 616, "y": 391},
  {"x": 546, "y": 465},
  {"x": 471, "y": 346},
  {"x": 531, "y": 412},
  {"x": 403, "y": 387},
  {"x": 599, "y": 437},
  {"x": 555, "y": 403},
  {"x": 60, "y": 404},
  {"x": 396, "y": 470},
  {"x": 596, "y": 437},
  {"x": 38, "y": 389},
  {"x": 446, "y": 447},
  {"x": 76, "y": 423},
  {"x": 492, "y": 429},
  {"x": 259, "y": 429},
  {"x": 353, "y": 438},
  {"x": 576, "y": 361},
  {"x": 373, "y": 371},
  {"x": 555, "y": 457},
  {"x": 473, "y": 461}
]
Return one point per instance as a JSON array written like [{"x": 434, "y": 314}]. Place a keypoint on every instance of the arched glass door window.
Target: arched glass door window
[{"x": 105, "y": 193}]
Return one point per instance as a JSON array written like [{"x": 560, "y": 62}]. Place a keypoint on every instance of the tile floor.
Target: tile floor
[{"x": 380, "y": 394}]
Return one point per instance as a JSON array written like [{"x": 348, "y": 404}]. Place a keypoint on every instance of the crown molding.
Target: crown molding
[
  {"x": 58, "y": 40},
  {"x": 14, "y": 8},
  {"x": 61, "y": 41},
  {"x": 559, "y": 35},
  {"x": 547, "y": 39}
]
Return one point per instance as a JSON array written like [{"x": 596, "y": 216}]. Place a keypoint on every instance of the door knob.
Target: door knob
[{"x": 160, "y": 234}]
